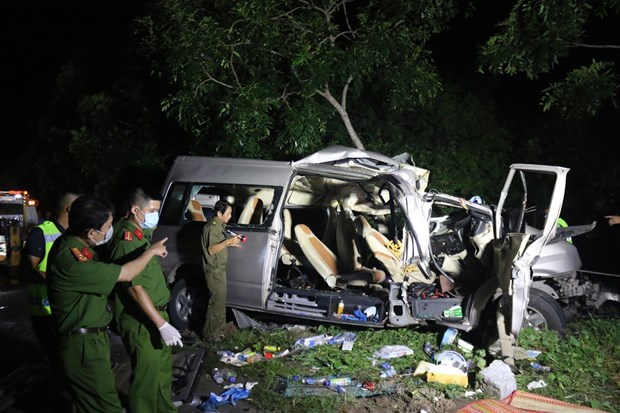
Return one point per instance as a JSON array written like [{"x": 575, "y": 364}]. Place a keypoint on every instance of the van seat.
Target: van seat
[
  {"x": 195, "y": 209},
  {"x": 325, "y": 262},
  {"x": 252, "y": 212},
  {"x": 377, "y": 244}
]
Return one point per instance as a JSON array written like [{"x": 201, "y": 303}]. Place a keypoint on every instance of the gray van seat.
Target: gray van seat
[
  {"x": 377, "y": 244},
  {"x": 325, "y": 262},
  {"x": 252, "y": 212}
]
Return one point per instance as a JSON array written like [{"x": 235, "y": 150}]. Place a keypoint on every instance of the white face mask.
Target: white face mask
[
  {"x": 107, "y": 237},
  {"x": 151, "y": 219}
]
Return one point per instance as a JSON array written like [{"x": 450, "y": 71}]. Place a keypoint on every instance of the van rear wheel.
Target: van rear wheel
[{"x": 188, "y": 303}]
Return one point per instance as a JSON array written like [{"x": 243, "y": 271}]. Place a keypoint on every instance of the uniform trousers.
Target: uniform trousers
[
  {"x": 151, "y": 361},
  {"x": 86, "y": 362}
]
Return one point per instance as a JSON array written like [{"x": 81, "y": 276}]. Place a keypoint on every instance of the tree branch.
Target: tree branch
[
  {"x": 344, "y": 92},
  {"x": 594, "y": 46},
  {"x": 211, "y": 79},
  {"x": 343, "y": 113}
]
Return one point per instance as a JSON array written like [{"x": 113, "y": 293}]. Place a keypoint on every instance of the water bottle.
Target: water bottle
[
  {"x": 387, "y": 370},
  {"x": 312, "y": 341},
  {"x": 217, "y": 376},
  {"x": 540, "y": 368},
  {"x": 342, "y": 337},
  {"x": 340, "y": 309},
  {"x": 309, "y": 380},
  {"x": 338, "y": 381},
  {"x": 229, "y": 375}
]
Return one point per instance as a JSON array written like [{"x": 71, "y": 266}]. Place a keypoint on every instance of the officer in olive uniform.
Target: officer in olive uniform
[
  {"x": 78, "y": 287},
  {"x": 214, "y": 259},
  {"x": 37, "y": 248},
  {"x": 141, "y": 310}
]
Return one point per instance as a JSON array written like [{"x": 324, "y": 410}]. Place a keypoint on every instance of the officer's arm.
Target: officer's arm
[
  {"x": 34, "y": 262},
  {"x": 131, "y": 269},
  {"x": 141, "y": 297},
  {"x": 221, "y": 246},
  {"x": 35, "y": 249}
]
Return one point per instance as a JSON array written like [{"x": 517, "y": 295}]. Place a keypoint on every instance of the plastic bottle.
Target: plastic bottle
[
  {"x": 387, "y": 370},
  {"x": 342, "y": 337},
  {"x": 340, "y": 309},
  {"x": 229, "y": 375},
  {"x": 217, "y": 376},
  {"x": 338, "y": 381},
  {"x": 540, "y": 368},
  {"x": 309, "y": 380},
  {"x": 270, "y": 349},
  {"x": 313, "y": 341}
]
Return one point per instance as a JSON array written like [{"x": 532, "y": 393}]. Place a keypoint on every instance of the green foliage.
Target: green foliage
[
  {"x": 583, "y": 366},
  {"x": 537, "y": 35},
  {"x": 583, "y": 91},
  {"x": 264, "y": 70}
]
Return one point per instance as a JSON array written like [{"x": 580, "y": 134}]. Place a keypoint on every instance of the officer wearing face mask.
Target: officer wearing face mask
[
  {"x": 78, "y": 286},
  {"x": 140, "y": 309}
]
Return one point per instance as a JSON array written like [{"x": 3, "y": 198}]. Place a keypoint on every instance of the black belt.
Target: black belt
[
  {"x": 88, "y": 330},
  {"x": 161, "y": 307}
]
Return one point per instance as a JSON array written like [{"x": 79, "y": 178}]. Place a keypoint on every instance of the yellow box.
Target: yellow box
[{"x": 447, "y": 375}]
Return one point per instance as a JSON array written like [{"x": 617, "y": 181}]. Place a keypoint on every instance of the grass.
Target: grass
[{"x": 585, "y": 366}]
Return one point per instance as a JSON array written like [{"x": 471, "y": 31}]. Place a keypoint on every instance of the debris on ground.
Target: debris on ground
[
  {"x": 230, "y": 396},
  {"x": 499, "y": 380}
]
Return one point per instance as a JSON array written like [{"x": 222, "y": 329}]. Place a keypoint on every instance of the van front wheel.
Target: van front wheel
[
  {"x": 187, "y": 304},
  {"x": 543, "y": 312}
]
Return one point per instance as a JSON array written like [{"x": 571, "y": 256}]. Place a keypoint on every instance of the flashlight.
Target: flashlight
[{"x": 242, "y": 237}]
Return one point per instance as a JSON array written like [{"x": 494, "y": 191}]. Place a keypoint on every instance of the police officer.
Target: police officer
[
  {"x": 37, "y": 249},
  {"x": 141, "y": 309},
  {"x": 214, "y": 259},
  {"x": 79, "y": 285}
]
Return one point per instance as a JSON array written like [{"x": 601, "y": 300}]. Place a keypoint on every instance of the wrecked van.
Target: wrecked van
[{"x": 355, "y": 237}]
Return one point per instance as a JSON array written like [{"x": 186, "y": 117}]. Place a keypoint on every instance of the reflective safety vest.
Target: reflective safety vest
[
  {"x": 37, "y": 293},
  {"x": 563, "y": 224}
]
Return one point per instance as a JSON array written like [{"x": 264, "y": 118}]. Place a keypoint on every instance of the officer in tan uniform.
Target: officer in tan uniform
[
  {"x": 78, "y": 286},
  {"x": 141, "y": 309},
  {"x": 214, "y": 260}
]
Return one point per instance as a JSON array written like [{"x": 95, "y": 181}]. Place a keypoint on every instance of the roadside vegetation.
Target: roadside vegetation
[{"x": 585, "y": 369}]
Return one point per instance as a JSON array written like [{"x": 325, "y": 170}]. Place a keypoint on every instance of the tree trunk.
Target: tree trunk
[{"x": 341, "y": 107}]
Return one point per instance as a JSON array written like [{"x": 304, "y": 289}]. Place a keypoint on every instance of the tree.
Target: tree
[
  {"x": 537, "y": 34},
  {"x": 268, "y": 79}
]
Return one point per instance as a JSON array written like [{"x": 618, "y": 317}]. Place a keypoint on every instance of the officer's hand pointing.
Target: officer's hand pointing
[
  {"x": 613, "y": 219},
  {"x": 170, "y": 335},
  {"x": 159, "y": 248}
]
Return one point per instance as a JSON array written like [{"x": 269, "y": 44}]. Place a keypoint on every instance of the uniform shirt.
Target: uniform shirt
[
  {"x": 79, "y": 285},
  {"x": 213, "y": 233},
  {"x": 127, "y": 244}
]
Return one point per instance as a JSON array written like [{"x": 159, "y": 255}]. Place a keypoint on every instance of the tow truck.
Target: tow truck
[{"x": 18, "y": 214}]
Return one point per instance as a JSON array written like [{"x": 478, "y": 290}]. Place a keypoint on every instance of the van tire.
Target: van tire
[
  {"x": 188, "y": 303},
  {"x": 544, "y": 312}
]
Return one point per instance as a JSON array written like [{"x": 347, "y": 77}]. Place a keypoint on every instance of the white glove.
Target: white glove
[{"x": 170, "y": 335}]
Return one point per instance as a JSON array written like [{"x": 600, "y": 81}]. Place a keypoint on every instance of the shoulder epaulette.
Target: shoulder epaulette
[
  {"x": 127, "y": 236},
  {"x": 82, "y": 256}
]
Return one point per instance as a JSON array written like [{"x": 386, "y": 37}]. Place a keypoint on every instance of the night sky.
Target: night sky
[{"x": 37, "y": 40}]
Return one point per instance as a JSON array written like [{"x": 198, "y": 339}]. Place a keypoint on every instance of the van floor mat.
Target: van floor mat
[{"x": 292, "y": 388}]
